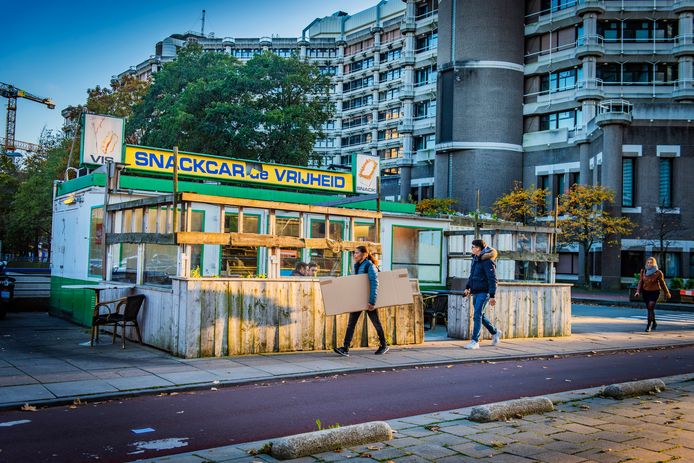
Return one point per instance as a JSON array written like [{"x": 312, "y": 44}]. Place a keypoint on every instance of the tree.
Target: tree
[
  {"x": 585, "y": 223},
  {"x": 118, "y": 100},
  {"x": 31, "y": 206},
  {"x": 521, "y": 205},
  {"x": 436, "y": 206},
  {"x": 270, "y": 109}
]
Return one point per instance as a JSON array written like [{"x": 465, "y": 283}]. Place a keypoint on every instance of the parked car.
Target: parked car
[{"x": 6, "y": 290}]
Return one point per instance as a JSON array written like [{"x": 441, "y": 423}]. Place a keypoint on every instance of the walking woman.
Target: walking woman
[
  {"x": 364, "y": 262},
  {"x": 651, "y": 282}
]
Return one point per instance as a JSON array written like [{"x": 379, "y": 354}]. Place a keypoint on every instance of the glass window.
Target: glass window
[
  {"x": 531, "y": 271},
  {"x": 329, "y": 262},
  {"x": 627, "y": 182},
  {"x": 96, "y": 241},
  {"x": 160, "y": 264},
  {"x": 672, "y": 265},
  {"x": 568, "y": 263},
  {"x": 541, "y": 242},
  {"x": 419, "y": 251},
  {"x": 365, "y": 232},
  {"x": 237, "y": 261},
  {"x": 632, "y": 262},
  {"x": 665, "y": 183},
  {"x": 126, "y": 268},
  {"x": 523, "y": 242}
]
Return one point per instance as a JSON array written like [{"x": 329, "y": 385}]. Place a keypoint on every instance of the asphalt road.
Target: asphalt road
[{"x": 148, "y": 426}]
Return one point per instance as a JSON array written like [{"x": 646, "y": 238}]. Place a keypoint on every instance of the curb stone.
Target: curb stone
[
  {"x": 632, "y": 388},
  {"x": 310, "y": 443},
  {"x": 511, "y": 408}
]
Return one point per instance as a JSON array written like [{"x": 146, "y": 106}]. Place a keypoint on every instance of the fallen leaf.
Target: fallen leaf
[
  {"x": 213, "y": 389},
  {"x": 28, "y": 408}
]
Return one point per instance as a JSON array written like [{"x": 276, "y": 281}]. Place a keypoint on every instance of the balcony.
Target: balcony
[
  {"x": 545, "y": 139},
  {"x": 405, "y": 127},
  {"x": 680, "y": 6},
  {"x": 425, "y": 20},
  {"x": 684, "y": 90},
  {"x": 638, "y": 46},
  {"x": 407, "y": 26},
  {"x": 590, "y": 6},
  {"x": 407, "y": 58},
  {"x": 589, "y": 89},
  {"x": 590, "y": 45},
  {"x": 684, "y": 45},
  {"x": 614, "y": 112},
  {"x": 407, "y": 92},
  {"x": 425, "y": 156}
]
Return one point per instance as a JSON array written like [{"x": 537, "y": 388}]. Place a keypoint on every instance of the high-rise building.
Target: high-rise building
[{"x": 461, "y": 95}]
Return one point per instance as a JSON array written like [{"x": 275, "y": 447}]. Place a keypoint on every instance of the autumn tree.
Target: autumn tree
[
  {"x": 436, "y": 206},
  {"x": 522, "y": 204},
  {"x": 584, "y": 222},
  {"x": 119, "y": 99}
]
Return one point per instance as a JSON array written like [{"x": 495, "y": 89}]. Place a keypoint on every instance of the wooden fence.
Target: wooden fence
[
  {"x": 523, "y": 310},
  {"x": 214, "y": 317}
]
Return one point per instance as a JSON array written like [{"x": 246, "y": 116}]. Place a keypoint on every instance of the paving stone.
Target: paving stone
[
  {"x": 650, "y": 444},
  {"x": 683, "y": 453},
  {"x": 644, "y": 455},
  {"x": 475, "y": 450},
  {"x": 411, "y": 459},
  {"x": 557, "y": 457},
  {"x": 613, "y": 436},
  {"x": 509, "y": 458},
  {"x": 430, "y": 451},
  {"x": 531, "y": 438},
  {"x": 571, "y": 437},
  {"x": 403, "y": 442},
  {"x": 445, "y": 439},
  {"x": 419, "y": 431},
  {"x": 222, "y": 453},
  {"x": 387, "y": 453},
  {"x": 600, "y": 456},
  {"x": 579, "y": 428},
  {"x": 457, "y": 458},
  {"x": 336, "y": 456},
  {"x": 490, "y": 438},
  {"x": 566, "y": 447},
  {"x": 523, "y": 450},
  {"x": 461, "y": 430}
]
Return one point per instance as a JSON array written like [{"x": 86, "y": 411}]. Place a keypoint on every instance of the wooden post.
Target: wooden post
[
  {"x": 175, "y": 191},
  {"x": 107, "y": 219},
  {"x": 239, "y": 220},
  {"x": 272, "y": 254},
  {"x": 327, "y": 226}
]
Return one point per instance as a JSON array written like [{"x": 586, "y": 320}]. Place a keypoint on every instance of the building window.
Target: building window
[
  {"x": 560, "y": 80},
  {"x": 356, "y": 121},
  {"x": 358, "y": 139},
  {"x": 427, "y": 41},
  {"x": 388, "y": 94},
  {"x": 365, "y": 232},
  {"x": 424, "y": 142},
  {"x": 423, "y": 109},
  {"x": 357, "y": 84},
  {"x": 568, "y": 119},
  {"x": 627, "y": 182},
  {"x": 632, "y": 262},
  {"x": 390, "y": 55},
  {"x": 390, "y": 75},
  {"x": 556, "y": 5},
  {"x": 357, "y": 102},
  {"x": 425, "y": 75},
  {"x": 426, "y": 8},
  {"x": 390, "y": 172},
  {"x": 327, "y": 70},
  {"x": 388, "y": 114},
  {"x": 359, "y": 65},
  {"x": 321, "y": 52},
  {"x": 665, "y": 183},
  {"x": 390, "y": 153},
  {"x": 388, "y": 134},
  {"x": 419, "y": 251},
  {"x": 672, "y": 265},
  {"x": 568, "y": 263}
]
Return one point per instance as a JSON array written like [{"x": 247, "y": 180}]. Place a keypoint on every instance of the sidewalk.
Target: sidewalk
[
  {"x": 45, "y": 360},
  {"x": 583, "y": 428},
  {"x": 620, "y": 299}
]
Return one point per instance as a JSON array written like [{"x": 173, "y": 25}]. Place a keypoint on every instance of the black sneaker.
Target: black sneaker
[
  {"x": 341, "y": 351},
  {"x": 382, "y": 350}
]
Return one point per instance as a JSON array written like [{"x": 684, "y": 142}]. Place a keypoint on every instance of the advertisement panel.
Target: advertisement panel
[
  {"x": 219, "y": 168},
  {"x": 366, "y": 171},
  {"x": 102, "y": 139}
]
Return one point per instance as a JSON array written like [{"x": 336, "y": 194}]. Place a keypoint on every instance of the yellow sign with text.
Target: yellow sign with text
[{"x": 218, "y": 168}]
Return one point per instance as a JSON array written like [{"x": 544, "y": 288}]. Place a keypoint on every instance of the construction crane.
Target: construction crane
[{"x": 12, "y": 93}]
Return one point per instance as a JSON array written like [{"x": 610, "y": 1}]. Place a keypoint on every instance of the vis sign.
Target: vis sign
[
  {"x": 218, "y": 168},
  {"x": 102, "y": 139}
]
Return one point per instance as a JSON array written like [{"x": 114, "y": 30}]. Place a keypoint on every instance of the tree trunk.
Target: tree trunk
[{"x": 586, "y": 266}]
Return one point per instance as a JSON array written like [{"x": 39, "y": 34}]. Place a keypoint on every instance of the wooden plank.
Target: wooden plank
[
  {"x": 138, "y": 203},
  {"x": 290, "y": 207},
  {"x": 203, "y": 238},
  {"x": 150, "y": 238}
]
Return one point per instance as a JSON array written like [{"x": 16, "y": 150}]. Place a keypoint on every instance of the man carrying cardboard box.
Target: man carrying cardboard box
[{"x": 364, "y": 262}]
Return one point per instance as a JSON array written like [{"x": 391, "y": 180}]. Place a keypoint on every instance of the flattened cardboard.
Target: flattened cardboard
[{"x": 351, "y": 293}]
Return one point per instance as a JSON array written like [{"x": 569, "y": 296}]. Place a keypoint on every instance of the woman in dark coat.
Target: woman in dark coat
[{"x": 651, "y": 281}]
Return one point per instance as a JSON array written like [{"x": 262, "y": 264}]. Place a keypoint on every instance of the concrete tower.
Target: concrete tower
[{"x": 479, "y": 124}]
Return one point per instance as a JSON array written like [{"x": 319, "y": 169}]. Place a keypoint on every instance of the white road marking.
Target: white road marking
[{"x": 7, "y": 424}]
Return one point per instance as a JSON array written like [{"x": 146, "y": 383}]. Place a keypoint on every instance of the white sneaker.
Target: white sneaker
[
  {"x": 496, "y": 338},
  {"x": 472, "y": 345}
]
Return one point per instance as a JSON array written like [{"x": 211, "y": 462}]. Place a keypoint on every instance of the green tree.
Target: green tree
[
  {"x": 584, "y": 222},
  {"x": 270, "y": 109},
  {"x": 521, "y": 205}
]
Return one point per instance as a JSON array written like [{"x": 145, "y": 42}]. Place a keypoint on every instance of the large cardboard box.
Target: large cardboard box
[{"x": 351, "y": 293}]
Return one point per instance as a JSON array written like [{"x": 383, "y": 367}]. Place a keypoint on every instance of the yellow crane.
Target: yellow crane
[{"x": 12, "y": 93}]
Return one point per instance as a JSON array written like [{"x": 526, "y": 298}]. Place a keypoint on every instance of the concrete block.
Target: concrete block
[
  {"x": 311, "y": 443},
  {"x": 632, "y": 388},
  {"x": 511, "y": 408}
]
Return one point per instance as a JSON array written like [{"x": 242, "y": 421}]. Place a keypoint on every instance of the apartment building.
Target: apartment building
[{"x": 467, "y": 95}]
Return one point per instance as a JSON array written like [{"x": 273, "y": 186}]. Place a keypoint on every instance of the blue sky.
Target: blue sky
[{"x": 59, "y": 49}]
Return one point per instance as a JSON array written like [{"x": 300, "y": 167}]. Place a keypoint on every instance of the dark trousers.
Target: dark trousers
[{"x": 352, "y": 324}]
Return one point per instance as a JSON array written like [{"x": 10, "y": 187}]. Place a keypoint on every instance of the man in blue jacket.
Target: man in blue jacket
[{"x": 482, "y": 285}]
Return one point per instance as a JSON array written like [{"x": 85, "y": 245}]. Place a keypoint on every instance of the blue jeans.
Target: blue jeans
[{"x": 479, "y": 300}]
